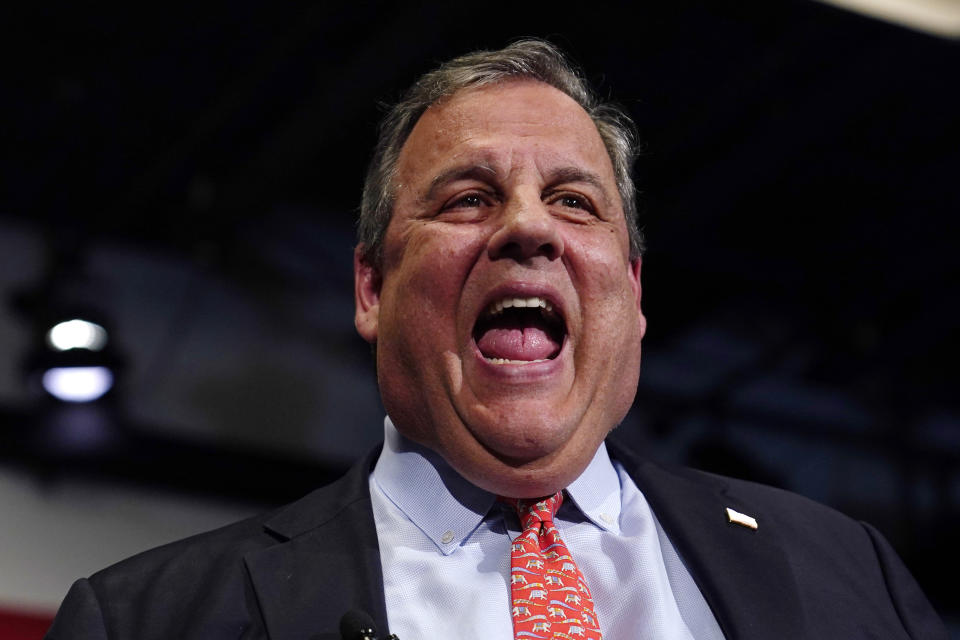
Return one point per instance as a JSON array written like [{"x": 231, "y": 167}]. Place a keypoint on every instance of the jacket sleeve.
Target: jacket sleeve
[
  {"x": 917, "y": 615},
  {"x": 79, "y": 617}
]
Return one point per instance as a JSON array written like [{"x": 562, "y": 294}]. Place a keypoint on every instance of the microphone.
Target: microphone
[{"x": 358, "y": 625}]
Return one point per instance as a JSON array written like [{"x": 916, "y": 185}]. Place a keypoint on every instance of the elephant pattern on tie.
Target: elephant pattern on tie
[{"x": 550, "y": 598}]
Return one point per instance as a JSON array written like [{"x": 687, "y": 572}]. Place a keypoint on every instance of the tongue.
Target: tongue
[{"x": 517, "y": 343}]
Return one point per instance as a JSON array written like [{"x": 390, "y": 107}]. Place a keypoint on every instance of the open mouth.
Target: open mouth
[{"x": 519, "y": 331}]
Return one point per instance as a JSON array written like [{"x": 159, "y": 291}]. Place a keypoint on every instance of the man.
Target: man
[{"x": 498, "y": 279}]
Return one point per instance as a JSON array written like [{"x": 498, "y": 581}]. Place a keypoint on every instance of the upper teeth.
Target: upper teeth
[{"x": 506, "y": 303}]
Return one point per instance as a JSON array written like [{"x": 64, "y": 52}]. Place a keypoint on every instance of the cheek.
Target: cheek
[
  {"x": 603, "y": 280},
  {"x": 601, "y": 267},
  {"x": 425, "y": 279},
  {"x": 439, "y": 265}
]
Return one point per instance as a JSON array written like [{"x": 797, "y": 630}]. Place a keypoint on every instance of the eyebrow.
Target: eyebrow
[
  {"x": 565, "y": 175},
  {"x": 481, "y": 172}
]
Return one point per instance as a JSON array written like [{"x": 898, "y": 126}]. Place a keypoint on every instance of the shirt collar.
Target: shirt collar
[
  {"x": 448, "y": 508},
  {"x": 596, "y": 492}
]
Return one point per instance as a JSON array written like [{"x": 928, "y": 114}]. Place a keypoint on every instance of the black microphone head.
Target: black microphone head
[{"x": 357, "y": 625}]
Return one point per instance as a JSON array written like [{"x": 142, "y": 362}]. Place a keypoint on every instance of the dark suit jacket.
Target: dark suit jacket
[{"x": 806, "y": 572}]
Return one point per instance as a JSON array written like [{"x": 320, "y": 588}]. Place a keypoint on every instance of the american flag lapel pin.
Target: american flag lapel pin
[{"x": 741, "y": 518}]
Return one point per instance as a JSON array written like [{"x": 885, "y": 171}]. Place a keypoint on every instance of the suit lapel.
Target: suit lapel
[
  {"x": 743, "y": 573},
  {"x": 327, "y": 562}
]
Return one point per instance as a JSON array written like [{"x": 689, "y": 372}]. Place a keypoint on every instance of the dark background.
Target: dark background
[{"x": 190, "y": 175}]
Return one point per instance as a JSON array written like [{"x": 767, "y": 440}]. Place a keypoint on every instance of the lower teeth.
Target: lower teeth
[{"x": 508, "y": 361}]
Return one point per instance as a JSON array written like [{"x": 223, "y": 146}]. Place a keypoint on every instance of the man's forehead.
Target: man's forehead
[
  {"x": 480, "y": 128},
  {"x": 519, "y": 102}
]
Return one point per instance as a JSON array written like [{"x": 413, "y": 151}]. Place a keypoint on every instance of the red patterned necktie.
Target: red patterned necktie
[{"x": 550, "y": 597}]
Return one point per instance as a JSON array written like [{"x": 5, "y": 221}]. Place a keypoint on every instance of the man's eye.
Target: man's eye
[
  {"x": 573, "y": 201},
  {"x": 468, "y": 201}
]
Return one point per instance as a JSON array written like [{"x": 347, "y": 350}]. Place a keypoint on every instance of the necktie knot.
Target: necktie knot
[{"x": 533, "y": 512}]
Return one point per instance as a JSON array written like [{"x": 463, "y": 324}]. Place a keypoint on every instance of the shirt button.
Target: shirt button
[
  {"x": 447, "y": 537},
  {"x": 606, "y": 518}
]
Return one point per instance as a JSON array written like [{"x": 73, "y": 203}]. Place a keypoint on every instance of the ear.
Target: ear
[
  {"x": 634, "y": 275},
  {"x": 366, "y": 295}
]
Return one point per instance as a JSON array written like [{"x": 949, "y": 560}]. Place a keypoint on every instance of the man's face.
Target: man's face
[{"x": 505, "y": 197}]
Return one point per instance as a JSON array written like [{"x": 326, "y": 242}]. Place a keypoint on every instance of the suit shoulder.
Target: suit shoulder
[
  {"x": 789, "y": 511},
  {"x": 195, "y": 587},
  {"x": 201, "y": 586},
  {"x": 221, "y": 551},
  {"x": 771, "y": 495},
  {"x": 664, "y": 484},
  {"x": 203, "y": 553}
]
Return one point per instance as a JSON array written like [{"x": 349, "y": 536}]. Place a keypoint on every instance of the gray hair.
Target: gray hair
[{"x": 525, "y": 59}]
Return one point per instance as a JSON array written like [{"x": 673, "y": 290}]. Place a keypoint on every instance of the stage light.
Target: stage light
[
  {"x": 72, "y": 356},
  {"x": 74, "y": 361},
  {"x": 77, "y": 334},
  {"x": 77, "y": 384}
]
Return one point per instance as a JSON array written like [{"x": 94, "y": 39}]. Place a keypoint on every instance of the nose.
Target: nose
[{"x": 527, "y": 230}]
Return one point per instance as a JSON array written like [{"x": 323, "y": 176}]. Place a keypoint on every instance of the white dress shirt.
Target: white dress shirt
[{"x": 445, "y": 553}]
